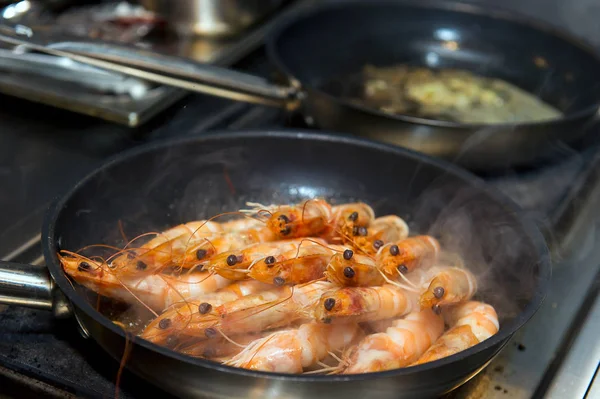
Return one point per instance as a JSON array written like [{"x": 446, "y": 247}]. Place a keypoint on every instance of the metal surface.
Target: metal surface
[
  {"x": 169, "y": 71},
  {"x": 580, "y": 366},
  {"x": 211, "y": 17}
]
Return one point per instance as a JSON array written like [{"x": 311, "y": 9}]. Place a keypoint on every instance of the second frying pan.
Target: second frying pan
[{"x": 331, "y": 41}]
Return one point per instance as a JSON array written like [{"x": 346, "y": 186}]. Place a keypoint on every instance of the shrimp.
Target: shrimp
[
  {"x": 383, "y": 230},
  {"x": 252, "y": 313},
  {"x": 348, "y": 220},
  {"x": 472, "y": 322},
  {"x": 248, "y": 231},
  {"x": 155, "y": 291},
  {"x": 234, "y": 264},
  {"x": 353, "y": 270},
  {"x": 407, "y": 255},
  {"x": 308, "y": 218},
  {"x": 177, "y": 317},
  {"x": 298, "y": 266},
  {"x": 359, "y": 304},
  {"x": 400, "y": 345},
  {"x": 220, "y": 347},
  {"x": 185, "y": 244},
  {"x": 292, "y": 351},
  {"x": 449, "y": 286}
]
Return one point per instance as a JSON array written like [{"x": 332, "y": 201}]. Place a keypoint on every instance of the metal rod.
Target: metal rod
[{"x": 26, "y": 285}]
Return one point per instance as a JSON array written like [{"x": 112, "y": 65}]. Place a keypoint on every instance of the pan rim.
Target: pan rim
[
  {"x": 50, "y": 242},
  {"x": 494, "y": 12}
]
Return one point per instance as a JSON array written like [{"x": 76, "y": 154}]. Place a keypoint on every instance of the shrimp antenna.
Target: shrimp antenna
[{"x": 396, "y": 284}]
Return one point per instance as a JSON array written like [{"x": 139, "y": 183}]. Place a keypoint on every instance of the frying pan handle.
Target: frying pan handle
[{"x": 31, "y": 286}]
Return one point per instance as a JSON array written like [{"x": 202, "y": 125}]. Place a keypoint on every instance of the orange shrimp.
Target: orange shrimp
[
  {"x": 400, "y": 345},
  {"x": 248, "y": 231},
  {"x": 450, "y": 285},
  {"x": 383, "y": 230},
  {"x": 234, "y": 264},
  {"x": 292, "y": 351},
  {"x": 298, "y": 266},
  {"x": 185, "y": 244},
  {"x": 252, "y": 313},
  {"x": 359, "y": 304},
  {"x": 406, "y": 255},
  {"x": 308, "y": 218},
  {"x": 472, "y": 322},
  {"x": 348, "y": 220},
  {"x": 155, "y": 291},
  {"x": 219, "y": 347},
  {"x": 178, "y": 317},
  {"x": 353, "y": 270}
]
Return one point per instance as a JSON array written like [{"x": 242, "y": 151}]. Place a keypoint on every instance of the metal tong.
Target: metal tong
[{"x": 154, "y": 67}]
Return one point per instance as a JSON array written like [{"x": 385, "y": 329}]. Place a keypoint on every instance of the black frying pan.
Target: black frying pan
[
  {"x": 156, "y": 186},
  {"x": 331, "y": 41}
]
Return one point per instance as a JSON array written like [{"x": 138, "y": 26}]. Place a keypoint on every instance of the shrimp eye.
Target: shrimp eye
[
  {"x": 362, "y": 231},
  {"x": 83, "y": 266},
  {"x": 232, "y": 260},
  {"x": 378, "y": 244},
  {"x": 201, "y": 254},
  {"x": 285, "y": 231},
  {"x": 437, "y": 309},
  {"x": 204, "y": 308},
  {"x": 141, "y": 265},
  {"x": 283, "y": 218},
  {"x": 348, "y": 254},
  {"x": 278, "y": 281},
  {"x": 164, "y": 324},
  {"x": 402, "y": 269},
  {"x": 329, "y": 303},
  {"x": 394, "y": 250},
  {"x": 269, "y": 260},
  {"x": 348, "y": 272},
  {"x": 438, "y": 292},
  {"x": 353, "y": 217}
]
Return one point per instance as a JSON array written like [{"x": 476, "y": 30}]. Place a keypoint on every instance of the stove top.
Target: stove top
[{"x": 42, "y": 156}]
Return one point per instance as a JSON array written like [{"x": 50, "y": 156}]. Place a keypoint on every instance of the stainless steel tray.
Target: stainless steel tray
[{"x": 69, "y": 85}]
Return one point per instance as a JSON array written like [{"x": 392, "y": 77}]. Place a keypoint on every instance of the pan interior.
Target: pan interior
[
  {"x": 328, "y": 49},
  {"x": 163, "y": 186}
]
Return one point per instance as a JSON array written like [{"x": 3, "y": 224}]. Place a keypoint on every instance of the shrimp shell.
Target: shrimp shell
[
  {"x": 472, "y": 322},
  {"x": 261, "y": 311},
  {"x": 407, "y": 255},
  {"x": 179, "y": 316},
  {"x": 292, "y": 351},
  {"x": 298, "y": 266},
  {"x": 400, "y": 345},
  {"x": 179, "y": 245},
  {"x": 309, "y": 218},
  {"x": 381, "y": 231},
  {"x": 155, "y": 291},
  {"x": 449, "y": 286},
  {"x": 358, "y": 271},
  {"x": 223, "y": 265},
  {"x": 359, "y": 304}
]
